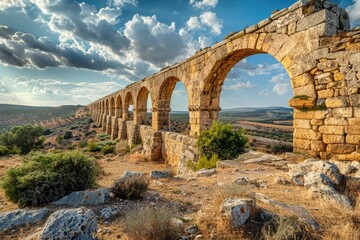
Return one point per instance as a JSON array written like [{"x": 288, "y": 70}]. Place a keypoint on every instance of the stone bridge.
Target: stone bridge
[{"x": 314, "y": 43}]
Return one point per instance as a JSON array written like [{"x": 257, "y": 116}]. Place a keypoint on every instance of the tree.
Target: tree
[{"x": 23, "y": 138}]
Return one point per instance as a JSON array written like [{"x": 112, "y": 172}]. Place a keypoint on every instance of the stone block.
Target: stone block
[
  {"x": 321, "y": 114},
  {"x": 336, "y": 121},
  {"x": 339, "y": 76},
  {"x": 352, "y": 129},
  {"x": 308, "y": 90},
  {"x": 317, "y": 122},
  {"x": 302, "y": 123},
  {"x": 301, "y": 103},
  {"x": 317, "y": 18},
  {"x": 302, "y": 143},
  {"x": 339, "y": 130},
  {"x": 341, "y": 148},
  {"x": 302, "y": 80},
  {"x": 353, "y": 139},
  {"x": 342, "y": 112},
  {"x": 309, "y": 134},
  {"x": 328, "y": 93},
  {"x": 332, "y": 138},
  {"x": 336, "y": 102},
  {"x": 317, "y": 145}
]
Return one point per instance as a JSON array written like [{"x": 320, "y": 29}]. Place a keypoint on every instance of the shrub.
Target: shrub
[
  {"x": 131, "y": 185},
  {"x": 203, "y": 162},
  {"x": 68, "y": 135},
  {"x": 43, "y": 178},
  {"x": 151, "y": 224},
  {"x": 222, "y": 140},
  {"x": 83, "y": 143},
  {"x": 47, "y": 132},
  {"x": 279, "y": 148},
  {"x": 23, "y": 138},
  {"x": 93, "y": 147},
  {"x": 59, "y": 139},
  {"x": 108, "y": 149},
  {"x": 4, "y": 151}
]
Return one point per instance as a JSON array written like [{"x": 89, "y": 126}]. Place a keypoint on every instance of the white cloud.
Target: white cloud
[
  {"x": 240, "y": 85},
  {"x": 203, "y": 4},
  {"x": 193, "y": 23},
  {"x": 210, "y": 20},
  {"x": 282, "y": 83},
  {"x": 265, "y": 92},
  {"x": 120, "y": 3},
  {"x": 52, "y": 92},
  {"x": 354, "y": 13},
  {"x": 155, "y": 42}
]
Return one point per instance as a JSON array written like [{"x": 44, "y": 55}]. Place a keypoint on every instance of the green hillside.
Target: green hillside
[{"x": 13, "y": 115}]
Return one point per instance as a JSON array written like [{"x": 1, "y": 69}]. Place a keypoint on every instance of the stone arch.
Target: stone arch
[
  {"x": 118, "y": 107},
  {"x": 127, "y": 115},
  {"x": 141, "y": 105},
  {"x": 164, "y": 100},
  {"x": 112, "y": 106}
]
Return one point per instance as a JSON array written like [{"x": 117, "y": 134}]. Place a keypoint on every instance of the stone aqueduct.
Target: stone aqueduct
[{"x": 311, "y": 39}]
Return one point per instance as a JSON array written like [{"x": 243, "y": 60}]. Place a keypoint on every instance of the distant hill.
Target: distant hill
[
  {"x": 14, "y": 115},
  {"x": 256, "y": 109}
]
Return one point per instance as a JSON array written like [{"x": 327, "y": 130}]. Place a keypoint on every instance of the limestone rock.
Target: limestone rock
[
  {"x": 316, "y": 179},
  {"x": 160, "y": 174},
  {"x": 109, "y": 212},
  {"x": 96, "y": 197},
  {"x": 21, "y": 217},
  {"x": 344, "y": 168},
  {"x": 237, "y": 210},
  {"x": 79, "y": 223},
  {"x": 329, "y": 169},
  {"x": 329, "y": 193},
  {"x": 282, "y": 181},
  {"x": 242, "y": 181},
  {"x": 206, "y": 173}
]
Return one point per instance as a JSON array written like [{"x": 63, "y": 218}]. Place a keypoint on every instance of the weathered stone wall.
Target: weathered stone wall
[
  {"x": 152, "y": 143},
  {"x": 132, "y": 133},
  {"x": 178, "y": 149},
  {"x": 311, "y": 39}
]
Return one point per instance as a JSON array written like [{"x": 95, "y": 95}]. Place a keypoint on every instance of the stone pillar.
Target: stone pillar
[
  {"x": 108, "y": 124},
  {"x": 140, "y": 116},
  {"x": 114, "y": 128},
  {"x": 122, "y": 129},
  {"x": 201, "y": 118},
  {"x": 161, "y": 119},
  {"x": 103, "y": 122}
]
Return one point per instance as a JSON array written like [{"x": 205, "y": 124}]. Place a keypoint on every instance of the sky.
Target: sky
[{"x": 60, "y": 52}]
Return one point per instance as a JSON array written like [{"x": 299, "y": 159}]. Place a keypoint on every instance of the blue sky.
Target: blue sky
[{"x": 56, "y": 52}]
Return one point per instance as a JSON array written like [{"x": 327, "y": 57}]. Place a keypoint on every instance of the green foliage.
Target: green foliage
[
  {"x": 4, "y": 151},
  {"x": 203, "y": 162},
  {"x": 23, "y": 138},
  {"x": 68, "y": 135},
  {"x": 222, "y": 140},
  {"x": 59, "y": 139},
  {"x": 93, "y": 147},
  {"x": 279, "y": 148},
  {"x": 301, "y": 97},
  {"x": 151, "y": 224},
  {"x": 130, "y": 187},
  {"x": 43, "y": 178},
  {"x": 83, "y": 143},
  {"x": 108, "y": 149}
]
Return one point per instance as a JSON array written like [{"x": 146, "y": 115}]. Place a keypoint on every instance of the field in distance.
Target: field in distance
[{"x": 14, "y": 115}]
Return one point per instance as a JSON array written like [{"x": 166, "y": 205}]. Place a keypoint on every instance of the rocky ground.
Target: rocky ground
[{"x": 321, "y": 196}]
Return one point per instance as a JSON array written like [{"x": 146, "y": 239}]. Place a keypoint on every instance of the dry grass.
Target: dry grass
[{"x": 151, "y": 224}]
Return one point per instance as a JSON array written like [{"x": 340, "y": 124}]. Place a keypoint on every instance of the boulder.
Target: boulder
[
  {"x": 242, "y": 181},
  {"x": 329, "y": 169},
  {"x": 205, "y": 172},
  {"x": 19, "y": 217},
  {"x": 281, "y": 181},
  {"x": 78, "y": 223},
  {"x": 96, "y": 197},
  {"x": 316, "y": 179},
  {"x": 160, "y": 174},
  {"x": 237, "y": 211}
]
